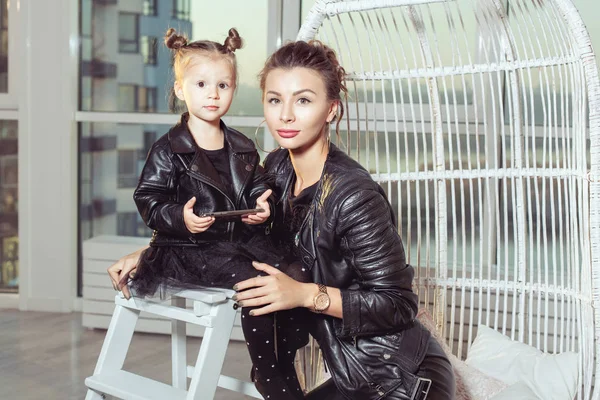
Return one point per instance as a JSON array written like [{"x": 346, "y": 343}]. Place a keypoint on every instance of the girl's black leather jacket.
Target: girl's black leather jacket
[
  {"x": 176, "y": 170},
  {"x": 350, "y": 241}
]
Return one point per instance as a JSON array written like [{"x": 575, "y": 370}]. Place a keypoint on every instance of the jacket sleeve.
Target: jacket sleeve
[
  {"x": 156, "y": 195},
  {"x": 261, "y": 182},
  {"x": 384, "y": 300}
]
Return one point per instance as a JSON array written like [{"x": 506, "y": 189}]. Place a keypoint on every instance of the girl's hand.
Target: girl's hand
[
  {"x": 122, "y": 270},
  {"x": 261, "y": 202},
  {"x": 194, "y": 223},
  {"x": 275, "y": 292}
]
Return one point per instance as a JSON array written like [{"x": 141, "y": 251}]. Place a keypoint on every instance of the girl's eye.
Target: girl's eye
[
  {"x": 223, "y": 86},
  {"x": 303, "y": 100},
  {"x": 273, "y": 100},
  {"x": 201, "y": 84}
]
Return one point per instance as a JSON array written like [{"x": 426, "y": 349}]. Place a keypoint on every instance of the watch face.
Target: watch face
[{"x": 322, "y": 302}]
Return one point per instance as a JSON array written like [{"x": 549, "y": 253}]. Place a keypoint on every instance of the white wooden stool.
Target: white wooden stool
[{"x": 213, "y": 309}]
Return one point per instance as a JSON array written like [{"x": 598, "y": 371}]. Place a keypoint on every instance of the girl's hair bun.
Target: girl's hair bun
[
  {"x": 173, "y": 40},
  {"x": 233, "y": 41}
]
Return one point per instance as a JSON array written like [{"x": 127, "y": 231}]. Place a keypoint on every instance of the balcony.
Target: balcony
[{"x": 98, "y": 69}]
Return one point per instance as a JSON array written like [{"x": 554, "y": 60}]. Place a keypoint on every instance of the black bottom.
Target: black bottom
[
  {"x": 435, "y": 366},
  {"x": 273, "y": 369},
  {"x": 218, "y": 264}
]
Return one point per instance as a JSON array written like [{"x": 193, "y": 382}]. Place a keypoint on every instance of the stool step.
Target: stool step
[{"x": 125, "y": 385}]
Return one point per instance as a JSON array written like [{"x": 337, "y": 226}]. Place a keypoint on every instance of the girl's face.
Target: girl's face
[
  {"x": 296, "y": 107},
  {"x": 207, "y": 87}
]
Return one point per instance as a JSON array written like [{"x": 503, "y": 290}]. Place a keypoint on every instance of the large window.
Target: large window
[
  {"x": 9, "y": 201},
  {"x": 129, "y": 33},
  {"x": 144, "y": 81}
]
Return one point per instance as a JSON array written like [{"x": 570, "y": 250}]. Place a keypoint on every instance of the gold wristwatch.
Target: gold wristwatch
[{"x": 321, "y": 301}]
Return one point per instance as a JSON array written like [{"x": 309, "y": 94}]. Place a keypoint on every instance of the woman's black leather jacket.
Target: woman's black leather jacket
[{"x": 350, "y": 241}]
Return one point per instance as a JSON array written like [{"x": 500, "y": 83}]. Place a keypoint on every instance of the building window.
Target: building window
[
  {"x": 129, "y": 33},
  {"x": 150, "y": 7},
  {"x": 128, "y": 174},
  {"x": 134, "y": 98},
  {"x": 149, "y": 49},
  {"x": 146, "y": 99},
  {"x": 127, "y": 98},
  {"x": 181, "y": 9},
  {"x": 9, "y": 207}
]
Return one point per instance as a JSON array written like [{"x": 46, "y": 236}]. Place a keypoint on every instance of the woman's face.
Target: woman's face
[{"x": 296, "y": 107}]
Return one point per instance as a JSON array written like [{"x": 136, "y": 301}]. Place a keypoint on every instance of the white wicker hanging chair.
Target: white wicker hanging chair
[{"x": 482, "y": 123}]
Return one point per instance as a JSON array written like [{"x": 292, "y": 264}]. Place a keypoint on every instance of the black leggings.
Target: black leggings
[
  {"x": 273, "y": 369},
  {"x": 435, "y": 366}
]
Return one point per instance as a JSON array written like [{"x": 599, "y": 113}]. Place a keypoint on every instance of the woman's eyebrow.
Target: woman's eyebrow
[{"x": 296, "y": 93}]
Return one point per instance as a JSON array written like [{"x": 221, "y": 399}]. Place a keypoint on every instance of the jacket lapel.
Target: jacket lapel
[
  {"x": 241, "y": 169},
  {"x": 203, "y": 169},
  {"x": 196, "y": 162}
]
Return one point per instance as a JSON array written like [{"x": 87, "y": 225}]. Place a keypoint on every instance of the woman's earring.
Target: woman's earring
[{"x": 256, "y": 138}]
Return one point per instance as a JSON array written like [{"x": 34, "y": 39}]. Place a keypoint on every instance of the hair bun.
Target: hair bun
[
  {"x": 233, "y": 41},
  {"x": 173, "y": 40}
]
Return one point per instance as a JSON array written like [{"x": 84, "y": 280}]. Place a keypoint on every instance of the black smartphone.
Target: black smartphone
[{"x": 233, "y": 213}]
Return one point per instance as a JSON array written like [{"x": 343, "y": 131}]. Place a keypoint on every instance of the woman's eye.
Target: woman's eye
[
  {"x": 223, "y": 86},
  {"x": 273, "y": 100},
  {"x": 201, "y": 84},
  {"x": 303, "y": 100}
]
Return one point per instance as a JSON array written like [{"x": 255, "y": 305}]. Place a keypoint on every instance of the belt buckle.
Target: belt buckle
[{"x": 421, "y": 389}]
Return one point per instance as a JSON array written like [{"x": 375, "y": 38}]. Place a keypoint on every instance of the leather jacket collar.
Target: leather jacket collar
[{"x": 182, "y": 141}]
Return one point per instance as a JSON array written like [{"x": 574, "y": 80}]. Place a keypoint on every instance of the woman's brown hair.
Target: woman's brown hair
[{"x": 316, "y": 56}]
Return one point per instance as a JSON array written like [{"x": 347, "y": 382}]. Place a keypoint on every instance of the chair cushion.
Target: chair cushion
[
  {"x": 549, "y": 376},
  {"x": 516, "y": 391}
]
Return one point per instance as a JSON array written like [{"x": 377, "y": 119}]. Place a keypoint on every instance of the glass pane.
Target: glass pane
[
  {"x": 9, "y": 239},
  {"x": 150, "y": 7},
  {"x": 110, "y": 60},
  {"x": 112, "y": 158},
  {"x": 4, "y": 46}
]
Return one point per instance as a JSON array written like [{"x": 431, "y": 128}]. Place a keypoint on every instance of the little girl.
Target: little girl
[{"x": 202, "y": 166}]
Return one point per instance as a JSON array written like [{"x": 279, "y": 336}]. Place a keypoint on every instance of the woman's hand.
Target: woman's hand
[
  {"x": 122, "y": 270},
  {"x": 275, "y": 292},
  {"x": 194, "y": 223},
  {"x": 261, "y": 202}
]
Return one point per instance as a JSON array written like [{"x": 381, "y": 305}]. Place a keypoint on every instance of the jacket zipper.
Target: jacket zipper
[
  {"x": 201, "y": 179},
  {"x": 245, "y": 184}
]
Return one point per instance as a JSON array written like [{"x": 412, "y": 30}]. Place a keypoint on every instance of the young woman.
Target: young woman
[{"x": 342, "y": 228}]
